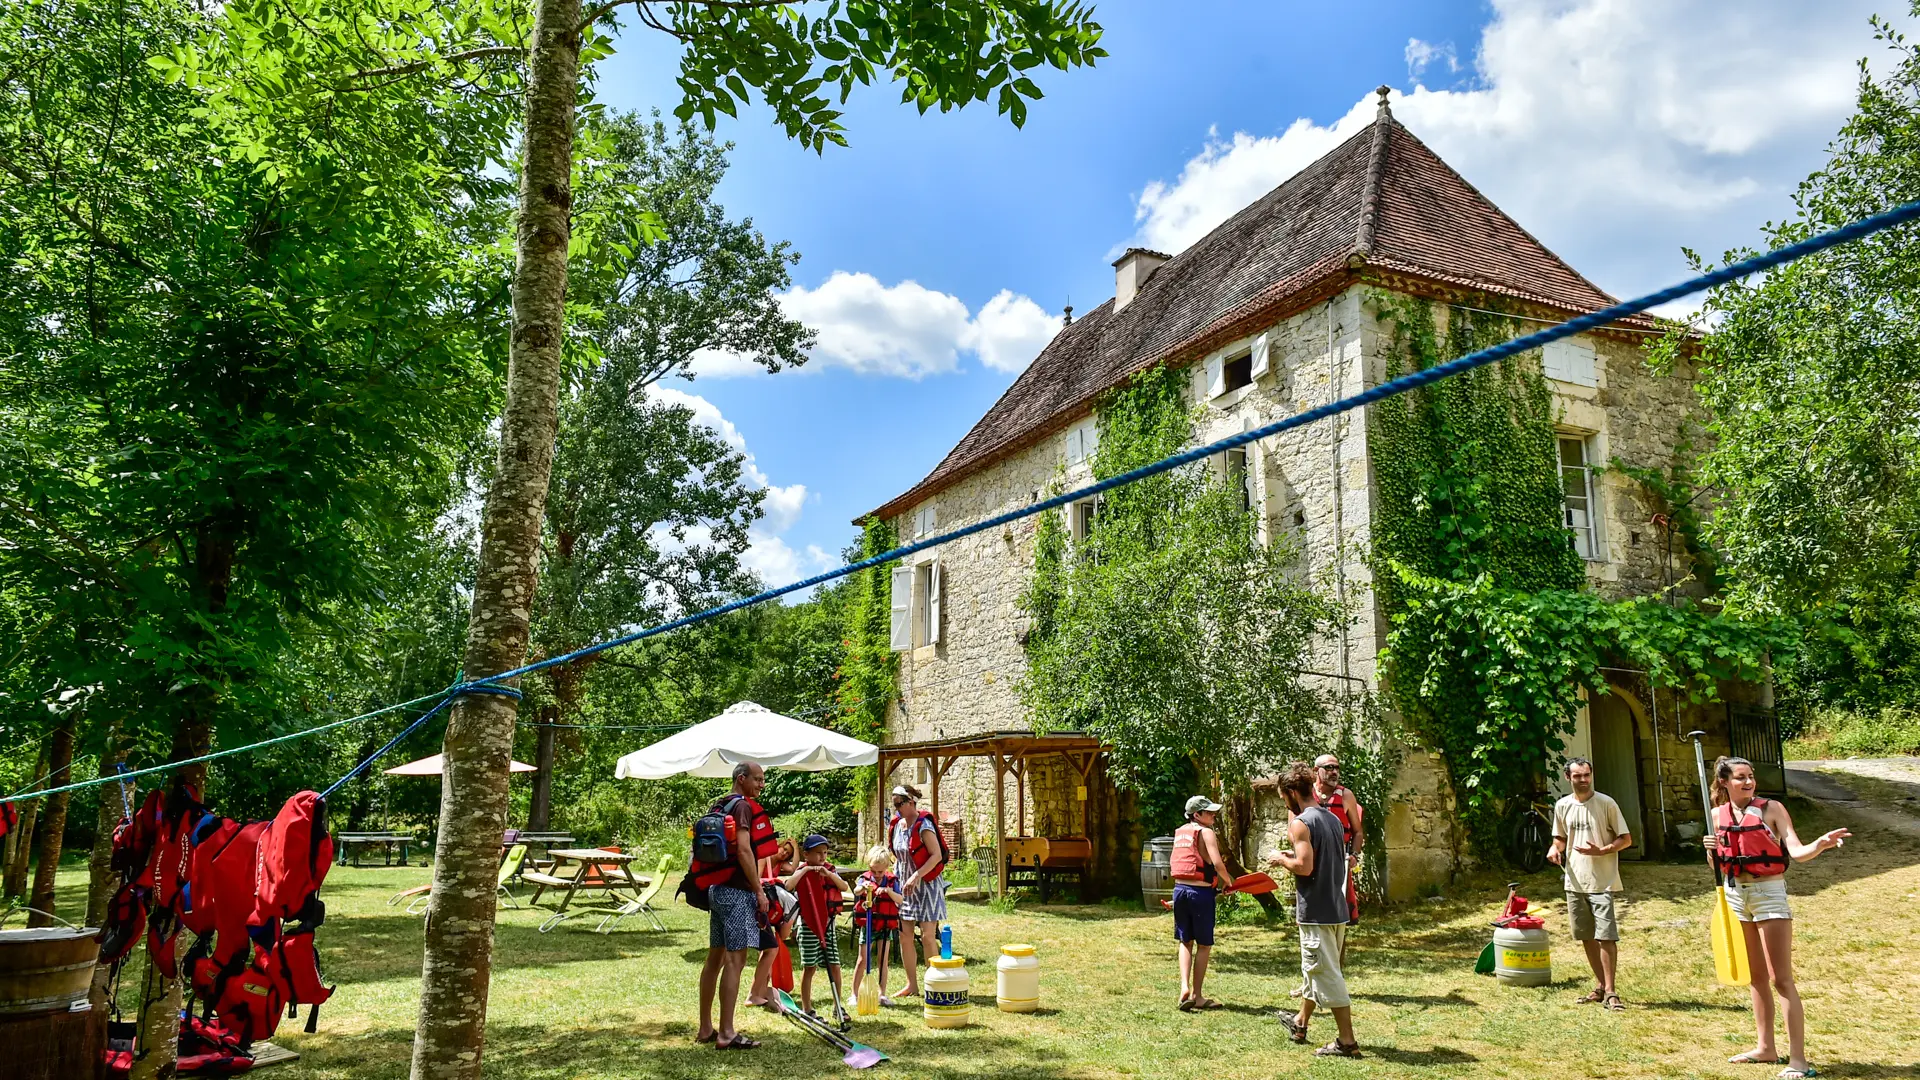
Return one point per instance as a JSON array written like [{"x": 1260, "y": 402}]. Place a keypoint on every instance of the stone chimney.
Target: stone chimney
[{"x": 1131, "y": 271}]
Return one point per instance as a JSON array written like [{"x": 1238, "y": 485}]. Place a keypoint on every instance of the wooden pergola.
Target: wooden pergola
[{"x": 1011, "y": 752}]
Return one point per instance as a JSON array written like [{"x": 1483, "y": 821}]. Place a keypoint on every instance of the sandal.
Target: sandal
[
  {"x": 1296, "y": 1031},
  {"x": 740, "y": 1042},
  {"x": 1185, "y": 1005},
  {"x": 1336, "y": 1048},
  {"x": 711, "y": 1036},
  {"x": 1614, "y": 1004},
  {"x": 1591, "y": 997},
  {"x": 1753, "y": 1057},
  {"x": 1208, "y": 1003}
]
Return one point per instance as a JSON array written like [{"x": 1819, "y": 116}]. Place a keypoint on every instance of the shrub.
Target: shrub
[
  {"x": 829, "y": 822},
  {"x": 1885, "y": 732}
]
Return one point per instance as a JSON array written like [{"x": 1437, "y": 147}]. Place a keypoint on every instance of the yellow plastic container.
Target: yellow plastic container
[
  {"x": 947, "y": 994},
  {"x": 1019, "y": 978}
]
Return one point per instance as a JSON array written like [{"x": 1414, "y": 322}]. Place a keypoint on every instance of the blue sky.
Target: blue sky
[{"x": 938, "y": 250}]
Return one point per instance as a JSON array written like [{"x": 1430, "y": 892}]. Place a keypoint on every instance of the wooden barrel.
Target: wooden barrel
[
  {"x": 1156, "y": 872},
  {"x": 47, "y": 969},
  {"x": 60, "y": 1045}
]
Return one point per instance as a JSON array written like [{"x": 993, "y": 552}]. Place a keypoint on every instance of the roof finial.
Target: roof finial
[
  {"x": 1066, "y": 319},
  {"x": 1385, "y": 113}
]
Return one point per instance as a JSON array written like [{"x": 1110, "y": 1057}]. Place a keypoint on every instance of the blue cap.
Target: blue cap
[{"x": 812, "y": 841}]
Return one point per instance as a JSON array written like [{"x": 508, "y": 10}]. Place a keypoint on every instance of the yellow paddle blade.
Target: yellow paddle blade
[
  {"x": 1729, "y": 943},
  {"x": 866, "y": 1000}
]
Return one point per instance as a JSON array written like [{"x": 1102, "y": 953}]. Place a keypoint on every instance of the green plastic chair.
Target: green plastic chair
[
  {"x": 508, "y": 867},
  {"x": 642, "y": 904}
]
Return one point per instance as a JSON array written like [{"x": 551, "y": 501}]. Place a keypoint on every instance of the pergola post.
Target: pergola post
[
  {"x": 1085, "y": 769},
  {"x": 999, "y": 824}
]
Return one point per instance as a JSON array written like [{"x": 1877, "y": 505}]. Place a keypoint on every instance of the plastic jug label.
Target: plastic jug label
[
  {"x": 1526, "y": 959},
  {"x": 945, "y": 998}
]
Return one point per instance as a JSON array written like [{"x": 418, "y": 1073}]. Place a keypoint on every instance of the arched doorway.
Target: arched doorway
[{"x": 1616, "y": 763}]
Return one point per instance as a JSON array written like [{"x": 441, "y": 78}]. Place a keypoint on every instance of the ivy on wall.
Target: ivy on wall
[
  {"x": 1494, "y": 638},
  {"x": 870, "y": 673}
]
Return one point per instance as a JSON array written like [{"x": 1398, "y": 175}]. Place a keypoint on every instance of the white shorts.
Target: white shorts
[
  {"x": 1326, "y": 984},
  {"x": 1759, "y": 899}
]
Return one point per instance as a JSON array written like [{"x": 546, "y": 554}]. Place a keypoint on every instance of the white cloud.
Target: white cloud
[
  {"x": 1615, "y": 130},
  {"x": 768, "y": 553},
  {"x": 905, "y": 330},
  {"x": 1010, "y": 331},
  {"x": 1423, "y": 54}
]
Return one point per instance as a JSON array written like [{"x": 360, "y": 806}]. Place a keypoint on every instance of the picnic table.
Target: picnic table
[
  {"x": 545, "y": 841},
  {"x": 359, "y": 841},
  {"x": 595, "y": 870}
]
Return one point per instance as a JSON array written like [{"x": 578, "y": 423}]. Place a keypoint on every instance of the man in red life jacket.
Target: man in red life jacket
[{"x": 737, "y": 908}]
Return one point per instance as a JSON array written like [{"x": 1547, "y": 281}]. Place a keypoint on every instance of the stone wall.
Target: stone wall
[{"x": 1315, "y": 487}]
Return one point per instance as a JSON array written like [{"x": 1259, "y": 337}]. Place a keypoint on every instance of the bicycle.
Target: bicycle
[{"x": 1526, "y": 830}]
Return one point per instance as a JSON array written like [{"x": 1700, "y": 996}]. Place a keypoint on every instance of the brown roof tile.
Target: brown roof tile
[{"x": 1379, "y": 201}]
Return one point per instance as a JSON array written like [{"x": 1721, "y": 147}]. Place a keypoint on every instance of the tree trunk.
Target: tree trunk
[
  {"x": 15, "y": 881},
  {"x": 54, "y": 829},
  {"x": 101, "y": 880},
  {"x": 540, "y": 813},
  {"x": 1237, "y": 822},
  {"x": 451, "y": 1034}
]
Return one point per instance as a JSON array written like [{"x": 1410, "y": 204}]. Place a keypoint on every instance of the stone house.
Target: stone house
[{"x": 1277, "y": 311}]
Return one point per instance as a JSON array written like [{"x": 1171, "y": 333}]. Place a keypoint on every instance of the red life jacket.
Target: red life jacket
[
  {"x": 819, "y": 902},
  {"x": 9, "y": 816},
  {"x": 293, "y": 857},
  {"x": 917, "y": 848},
  {"x": 760, "y": 835},
  {"x": 1336, "y": 804},
  {"x": 1747, "y": 846},
  {"x": 883, "y": 910},
  {"x": 1189, "y": 861}
]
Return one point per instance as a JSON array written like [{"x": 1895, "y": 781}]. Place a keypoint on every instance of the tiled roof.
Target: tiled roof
[{"x": 1380, "y": 203}]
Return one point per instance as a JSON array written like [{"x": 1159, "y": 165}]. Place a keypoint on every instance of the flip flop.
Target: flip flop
[
  {"x": 1752, "y": 1057},
  {"x": 1796, "y": 1074},
  {"x": 1185, "y": 1005},
  {"x": 711, "y": 1036},
  {"x": 740, "y": 1042},
  {"x": 1209, "y": 1003}
]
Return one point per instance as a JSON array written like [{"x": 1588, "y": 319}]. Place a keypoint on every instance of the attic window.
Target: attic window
[
  {"x": 1225, "y": 376},
  {"x": 1083, "y": 441}
]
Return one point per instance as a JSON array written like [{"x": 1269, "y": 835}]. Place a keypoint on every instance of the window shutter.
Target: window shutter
[
  {"x": 1260, "y": 356},
  {"x": 934, "y": 586},
  {"x": 1089, "y": 439},
  {"x": 1569, "y": 361},
  {"x": 1216, "y": 377},
  {"x": 902, "y": 609}
]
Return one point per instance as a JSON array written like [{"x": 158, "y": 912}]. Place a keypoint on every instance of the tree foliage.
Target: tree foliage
[{"x": 1171, "y": 632}]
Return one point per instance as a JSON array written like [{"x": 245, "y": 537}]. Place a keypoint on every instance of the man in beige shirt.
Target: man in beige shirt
[{"x": 1589, "y": 833}]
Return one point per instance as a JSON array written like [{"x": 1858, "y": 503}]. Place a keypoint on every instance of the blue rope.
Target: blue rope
[
  {"x": 126, "y": 801},
  {"x": 465, "y": 688},
  {"x": 490, "y": 684}
]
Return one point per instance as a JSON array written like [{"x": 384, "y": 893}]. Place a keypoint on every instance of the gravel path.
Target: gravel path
[{"x": 1891, "y": 799}]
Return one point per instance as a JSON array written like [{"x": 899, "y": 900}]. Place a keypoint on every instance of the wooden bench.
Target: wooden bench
[{"x": 387, "y": 841}]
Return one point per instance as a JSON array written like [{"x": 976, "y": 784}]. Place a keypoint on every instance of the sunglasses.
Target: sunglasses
[{"x": 1328, "y": 768}]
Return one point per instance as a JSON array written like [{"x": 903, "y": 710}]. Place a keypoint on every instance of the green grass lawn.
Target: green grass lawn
[{"x": 574, "y": 1005}]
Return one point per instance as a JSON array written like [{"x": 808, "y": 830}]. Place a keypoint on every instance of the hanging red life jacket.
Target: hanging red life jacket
[
  {"x": 883, "y": 910},
  {"x": 1745, "y": 844},
  {"x": 917, "y": 848},
  {"x": 765, "y": 844},
  {"x": 179, "y": 812},
  {"x": 294, "y": 854},
  {"x": 9, "y": 816},
  {"x": 1189, "y": 861}
]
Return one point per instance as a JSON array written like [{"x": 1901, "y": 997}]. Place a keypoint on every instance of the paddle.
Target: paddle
[
  {"x": 866, "y": 997},
  {"x": 1729, "y": 940},
  {"x": 858, "y": 1055}
]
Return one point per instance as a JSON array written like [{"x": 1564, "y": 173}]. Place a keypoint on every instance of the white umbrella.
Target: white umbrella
[
  {"x": 437, "y": 764},
  {"x": 746, "y": 732}
]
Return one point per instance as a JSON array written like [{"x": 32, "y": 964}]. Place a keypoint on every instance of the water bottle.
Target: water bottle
[{"x": 946, "y": 941}]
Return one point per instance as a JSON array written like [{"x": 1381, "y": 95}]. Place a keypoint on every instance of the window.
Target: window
[
  {"x": 915, "y": 605},
  {"x": 1239, "y": 476},
  {"x": 1569, "y": 361},
  {"x": 1225, "y": 376},
  {"x": 1083, "y": 441},
  {"x": 924, "y": 522},
  {"x": 1081, "y": 517},
  {"x": 1576, "y": 484}
]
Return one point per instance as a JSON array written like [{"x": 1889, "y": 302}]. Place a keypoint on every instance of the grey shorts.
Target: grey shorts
[
  {"x": 1593, "y": 915},
  {"x": 1320, "y": 945},
  {"x": 733, "y": 919},
  {"x": 1759, "y": 899}
]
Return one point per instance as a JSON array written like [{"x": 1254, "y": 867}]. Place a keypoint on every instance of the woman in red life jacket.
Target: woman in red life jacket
[
  {"x": 1198, "y": 871},
  {"x": 877, "y": 898},
  {"x": 916, "y": 845},
  {"x": 1751, "y": 843}
]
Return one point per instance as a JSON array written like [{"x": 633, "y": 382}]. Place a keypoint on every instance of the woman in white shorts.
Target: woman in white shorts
[{"x": 1750, "y": 845}]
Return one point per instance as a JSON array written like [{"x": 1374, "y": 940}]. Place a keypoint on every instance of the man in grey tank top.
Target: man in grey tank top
[{"x": 1318, "y": 863}]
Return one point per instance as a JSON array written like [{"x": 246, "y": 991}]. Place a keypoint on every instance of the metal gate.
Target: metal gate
[{"x": 1755, "y": 734}]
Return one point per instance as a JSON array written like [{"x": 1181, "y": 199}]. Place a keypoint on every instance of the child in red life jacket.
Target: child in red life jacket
[
  {"x": 877, "y": 900},
  {"x": 1751, "y": 844},
  {"x": 820, "y": 891}
]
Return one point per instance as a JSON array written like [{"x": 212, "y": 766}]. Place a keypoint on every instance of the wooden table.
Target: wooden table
[
  {"x": 387, "y": 840},
  {"x": 615, "y": 878}
]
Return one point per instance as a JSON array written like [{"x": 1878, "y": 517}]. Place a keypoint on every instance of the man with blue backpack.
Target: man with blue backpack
[{"x": 728, "y": 843}]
